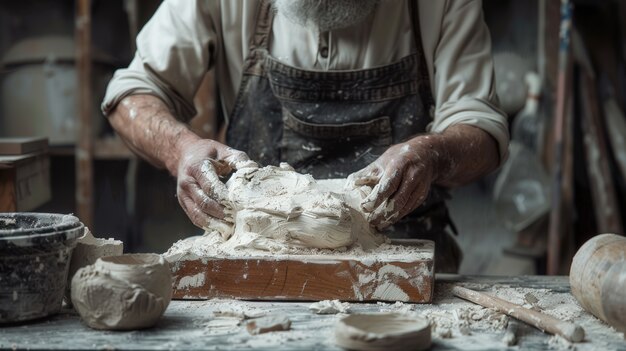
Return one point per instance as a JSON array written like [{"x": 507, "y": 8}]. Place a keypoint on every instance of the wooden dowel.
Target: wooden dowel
[{"x": 570, "y": 331}]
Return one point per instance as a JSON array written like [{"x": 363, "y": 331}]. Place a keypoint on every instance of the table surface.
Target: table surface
[{"x": 216, "y": 324}]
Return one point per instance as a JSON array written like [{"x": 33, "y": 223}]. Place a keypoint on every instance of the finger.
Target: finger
[
  {"x": 389, "y": 183},
  {"x": 197, "y": 217},
  {"x": 236, "y": 159},
  {"x": 210, "y": 183},
  {"x": 369, "y": 176},
  {"x": 404, "y": 195},
  {"x": 202, "y": 220},
  {"x": 419, "y": 195},
  {"x": 387, "y": 210},
  {"x": 383, "y": 217},
  {"x": 204, "y": 202}
]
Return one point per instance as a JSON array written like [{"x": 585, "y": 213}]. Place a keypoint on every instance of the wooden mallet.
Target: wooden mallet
[{"x": 570, "y": 331}]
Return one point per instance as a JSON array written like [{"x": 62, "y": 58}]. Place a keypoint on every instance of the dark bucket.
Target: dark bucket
[{"x": 35, "y": 252}]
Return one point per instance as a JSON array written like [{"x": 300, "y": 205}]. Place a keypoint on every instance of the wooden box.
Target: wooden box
[{"x": 24, "y": 182}]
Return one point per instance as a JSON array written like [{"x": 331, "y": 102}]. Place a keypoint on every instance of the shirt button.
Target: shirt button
[{"x": 324, "y": 52}]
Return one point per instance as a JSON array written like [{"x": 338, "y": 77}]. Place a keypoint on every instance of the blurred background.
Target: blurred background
[{"x": 560, "y": 78}]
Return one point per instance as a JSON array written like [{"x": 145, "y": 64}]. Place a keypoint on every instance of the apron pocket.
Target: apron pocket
[{"x": 333, "y": 150}]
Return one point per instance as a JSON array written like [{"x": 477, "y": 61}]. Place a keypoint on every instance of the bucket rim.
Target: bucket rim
[{"x": 60, "y": 223}]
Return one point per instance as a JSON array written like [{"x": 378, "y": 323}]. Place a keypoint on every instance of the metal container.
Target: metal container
[
  {"x": 35, "y": 252},
  {"x": 38, "y": 89}
]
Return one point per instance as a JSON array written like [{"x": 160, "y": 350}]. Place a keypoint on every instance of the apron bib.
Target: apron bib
[{"x": 333, "y": 123}]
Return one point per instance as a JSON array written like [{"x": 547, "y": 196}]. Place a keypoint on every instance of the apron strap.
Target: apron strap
[
  {"x": 264, "y": 20},
  {"x": 425, "y": 90}
]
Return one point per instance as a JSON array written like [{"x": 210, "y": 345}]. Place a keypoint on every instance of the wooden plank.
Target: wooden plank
[
  {"x": 308, "y": 278},
  {"x": 21, "y": 146},
  {"x": 84, "y": 145},
  {"x": 605, "y": 207},
  {"x": 616, "y": 127},
  {"x": 8, "y": 195},
  {"x": 560, "y": 130}
]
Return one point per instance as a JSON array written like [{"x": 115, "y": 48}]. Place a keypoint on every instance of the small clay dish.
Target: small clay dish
[
  {"x": 123, "y": 292},
  {"x": 383, "y": 331}
]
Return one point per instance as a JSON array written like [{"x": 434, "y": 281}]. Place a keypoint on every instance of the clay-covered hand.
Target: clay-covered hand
[
  {"x": 401, "y": 179},
  {"x": 200, "y": 191}
]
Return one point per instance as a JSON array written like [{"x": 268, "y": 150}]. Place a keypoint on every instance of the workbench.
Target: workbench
[{"x": 218, "y": 324}]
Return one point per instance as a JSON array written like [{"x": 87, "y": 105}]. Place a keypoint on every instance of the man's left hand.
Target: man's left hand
[{"x": 401, "y": 179}]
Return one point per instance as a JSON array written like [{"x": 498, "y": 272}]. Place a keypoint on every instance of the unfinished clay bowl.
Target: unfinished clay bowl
[
  {"x": 383, "y": 331},
  {"x": 123, "y": 292},
  {"x": 88, "y": 249}
]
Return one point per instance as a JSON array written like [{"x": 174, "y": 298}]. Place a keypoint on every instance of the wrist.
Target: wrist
[
  {"x": 433, "y": 148},
  {"x": 180, "y": 142}
]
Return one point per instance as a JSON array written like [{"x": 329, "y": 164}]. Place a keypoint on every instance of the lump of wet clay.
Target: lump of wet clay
[
  {"x": 268, "y": 324},
  {"x": 123, "y": 292},
  {"x": 277, "y": 209},
  {"x": 383, "y": 331},
  {"x": 88, "y": 249},
  {"x": 329, "y": 307}
]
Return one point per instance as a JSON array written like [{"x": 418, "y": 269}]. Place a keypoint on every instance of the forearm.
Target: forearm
[
  {"x": 149, "y": 129},
  {"x": 462, "y": 154}
]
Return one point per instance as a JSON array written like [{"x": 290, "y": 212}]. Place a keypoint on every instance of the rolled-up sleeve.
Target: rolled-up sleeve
[
  {"x": 174, "y": 51},
  {"x": 463, "y": 78}
]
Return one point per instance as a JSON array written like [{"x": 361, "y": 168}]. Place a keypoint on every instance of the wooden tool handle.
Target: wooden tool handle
[{"x": 543, "y": 322}]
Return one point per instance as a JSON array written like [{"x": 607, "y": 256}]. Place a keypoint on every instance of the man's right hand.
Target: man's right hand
[
  {"x": 200, "y": 192},
  {"x": 147, "y": 126}
]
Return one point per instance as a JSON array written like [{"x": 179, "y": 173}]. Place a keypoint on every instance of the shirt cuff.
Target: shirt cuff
[
  {"x": 478, "y": 113},
  {"x": 126, "y": 82}
]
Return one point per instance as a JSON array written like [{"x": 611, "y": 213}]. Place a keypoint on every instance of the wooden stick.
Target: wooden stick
[
  {"x": 570, "y": 331},
  {"x": 555, "y": 233},
  {"x": 84, "y": 140}
]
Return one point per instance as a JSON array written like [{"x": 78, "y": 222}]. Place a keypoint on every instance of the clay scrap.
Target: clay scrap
[
  {"x": 268, "y": 324},
  {"x": 329, "y": 307},
  {"x": 123, "y": 292}
]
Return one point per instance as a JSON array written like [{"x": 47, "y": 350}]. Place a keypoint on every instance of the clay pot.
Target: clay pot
[
  {"x": 123, "y": 292},
  {"x": 88, "y": 249},
  {"x": 598, "y": 278}
]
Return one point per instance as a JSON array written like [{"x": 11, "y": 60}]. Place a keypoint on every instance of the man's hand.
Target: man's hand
[
  {"x": 401, "y": 177},
  {"x": 147, "y": 126},
  {"x": 200, "y": 191}
]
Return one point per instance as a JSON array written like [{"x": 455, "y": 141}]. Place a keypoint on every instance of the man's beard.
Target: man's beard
[{"x": 325, "y": 15}]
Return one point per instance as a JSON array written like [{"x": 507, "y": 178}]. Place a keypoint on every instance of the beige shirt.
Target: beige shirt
[{"x": 185, "y": 38}]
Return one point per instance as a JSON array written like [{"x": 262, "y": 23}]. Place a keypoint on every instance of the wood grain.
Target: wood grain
[
  {"x": 308, "y": 278},
  {"x": 8, "y": 196}
]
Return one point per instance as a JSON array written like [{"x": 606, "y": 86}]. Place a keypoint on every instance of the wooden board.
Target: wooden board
[
  {"x": 21, "y": 146},
  {"x": 311, "y": 278}
]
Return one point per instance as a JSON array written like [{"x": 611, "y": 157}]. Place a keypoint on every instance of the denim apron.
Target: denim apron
[{"x": 333, "y": 123}]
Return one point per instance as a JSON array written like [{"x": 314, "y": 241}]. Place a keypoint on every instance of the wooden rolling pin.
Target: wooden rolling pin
[
  {"x": 598, "y": 278},
  {"x": 543, "y": 322}
]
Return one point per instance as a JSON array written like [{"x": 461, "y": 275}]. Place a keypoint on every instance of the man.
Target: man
[{"x": 397, "y": 94}]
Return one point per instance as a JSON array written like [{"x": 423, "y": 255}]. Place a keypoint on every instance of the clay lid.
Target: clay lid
[{"x": 40, "y": 49}]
